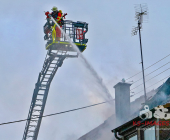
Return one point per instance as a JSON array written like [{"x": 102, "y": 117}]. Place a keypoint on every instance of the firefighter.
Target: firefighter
[
  {"x": 60, "y": 18},
  {"x": 54, "y": 14},
  {"x": 57, "y": 15}
]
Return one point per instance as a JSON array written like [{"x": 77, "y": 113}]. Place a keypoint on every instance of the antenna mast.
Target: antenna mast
[{"x": 141, "y": 10}]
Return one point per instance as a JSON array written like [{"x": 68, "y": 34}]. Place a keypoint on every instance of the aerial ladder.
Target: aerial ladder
[{"x": 58, "y": 49}]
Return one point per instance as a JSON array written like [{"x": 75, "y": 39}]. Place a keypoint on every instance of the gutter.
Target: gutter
[{"x": 115, "y": 132}]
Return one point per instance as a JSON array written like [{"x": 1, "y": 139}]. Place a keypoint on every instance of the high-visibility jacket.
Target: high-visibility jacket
[{"x": 59, "y": 19}]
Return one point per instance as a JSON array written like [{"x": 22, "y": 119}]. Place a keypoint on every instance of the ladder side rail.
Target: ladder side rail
[
  {"x": 31, "y": 108},
  {"x": 34, "y": 100},
  {"x": 48, "y": 61},
  {"x": 60, "y": 61},
  {"x": 41, "y": 114},
  {"x": 46, "y": 68},
  {"x": 40, "y": 79},
  {"x": 34, "y": 118},
  {"x": 45, "y": 99}
]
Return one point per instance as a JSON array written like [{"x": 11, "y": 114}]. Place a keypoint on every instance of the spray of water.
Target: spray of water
[{"x": 90, "y": 68}]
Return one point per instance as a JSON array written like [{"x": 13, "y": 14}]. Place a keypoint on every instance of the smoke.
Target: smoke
[
  {"x": 102, "y": 132},
  {"x": 70, "y": 137},
  {"x": 105, "y": 133},
  {"x": 162, "y": 96}
]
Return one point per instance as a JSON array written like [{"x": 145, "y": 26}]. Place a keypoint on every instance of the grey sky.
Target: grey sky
[{"x": 111, "y": 50}]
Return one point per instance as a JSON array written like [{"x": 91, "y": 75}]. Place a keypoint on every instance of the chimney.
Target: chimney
[{"x": 122, "y": 101}]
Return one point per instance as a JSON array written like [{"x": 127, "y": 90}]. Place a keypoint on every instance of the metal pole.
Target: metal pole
[{"x": 142, "y": 60}]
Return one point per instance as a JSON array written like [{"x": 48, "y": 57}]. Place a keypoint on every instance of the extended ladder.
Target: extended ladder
[{"x": 51, "y": 64}]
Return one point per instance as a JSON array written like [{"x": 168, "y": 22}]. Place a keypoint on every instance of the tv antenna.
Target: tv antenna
[{"x": 140, "y": 11}]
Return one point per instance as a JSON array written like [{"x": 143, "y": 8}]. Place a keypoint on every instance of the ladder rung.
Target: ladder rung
[
  {"x": 32, "y": 125},
  {"x": 29, "y": 136},
  {"x": 41, "y": 94},
  {"x": 46, "y": 77},
  {"x": 39, "y": 99},
  {"x": 38, "y": 105},
  {"x": 36, "y": 110},
  {"x": 31, "y": 131},
  {"x": 34, "y": 120},
  {"x": 42, "y": 89},
  {"x": 36, "y": 115},
  {"x": 43, "y": 85}
]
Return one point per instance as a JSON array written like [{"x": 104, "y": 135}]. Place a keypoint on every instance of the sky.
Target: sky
[{"x": 111, "y": 51}]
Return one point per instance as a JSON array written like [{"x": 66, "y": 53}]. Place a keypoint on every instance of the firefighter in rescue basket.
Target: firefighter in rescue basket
[{"x": 56, "y": 40}]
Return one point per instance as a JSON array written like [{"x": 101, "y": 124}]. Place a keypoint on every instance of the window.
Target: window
[{"x": 149, "y": 134}]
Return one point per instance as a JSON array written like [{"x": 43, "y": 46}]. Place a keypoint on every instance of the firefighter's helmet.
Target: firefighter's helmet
[{"x": 54, "y": 8}]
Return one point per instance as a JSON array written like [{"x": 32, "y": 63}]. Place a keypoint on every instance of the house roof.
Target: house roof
[
  {"x": 128, "y": 126},
  {"x": 162, "y": 97},
  {"x": 109, "y": 124}
]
